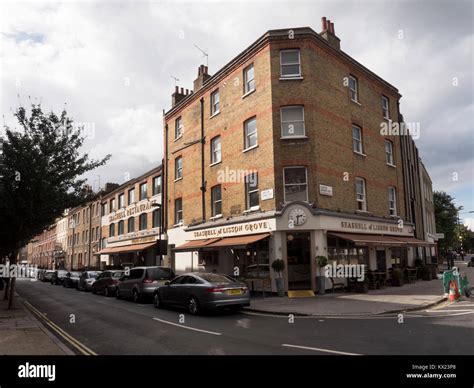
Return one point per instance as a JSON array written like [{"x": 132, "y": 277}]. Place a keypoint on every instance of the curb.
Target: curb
[{"x": 299, "y": 314}]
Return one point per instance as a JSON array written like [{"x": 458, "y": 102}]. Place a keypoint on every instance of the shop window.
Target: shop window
[{"x": 207, "y": 259}]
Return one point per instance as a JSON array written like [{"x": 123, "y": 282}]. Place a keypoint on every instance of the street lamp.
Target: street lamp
[{"x": 160, "y": 207}]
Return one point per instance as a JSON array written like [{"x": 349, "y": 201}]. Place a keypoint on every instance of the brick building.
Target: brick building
[
  {"x": 44, "y": 248},
  {"x": 286, "y": 153},
  {"x": 131, "y": 222}
]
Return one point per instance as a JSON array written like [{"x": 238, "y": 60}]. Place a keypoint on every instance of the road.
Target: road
[{"x": 108, "y": 326}]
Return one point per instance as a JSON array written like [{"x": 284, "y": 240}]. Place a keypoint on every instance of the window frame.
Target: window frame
[
  {"x": 214, "y": 201},
  {"x": 143, "y": 216},
  {"x": 289, "y": 76},
  {"x": 354, "y": 91},
  {"x": 386, "y": 109},
  {"x": 389, "y": 155},
  {"x": 112, "y": 230},
  {"x": 130, "y": 220},
  {"x": 247, "y": 135},
  {"x": 132, "y": 190},
  {"x": 214, "y": 150},
  {"x": 156, "y": 211},
  {"x": 158, "y": 177},
  {"x": 178, "y": 129},
  {"x": 178, "y": 169},
  {"x": 392, "y": 190},
  {"x": 248, "y": 192},
  {"x": 363, "y": 201},
  {"x": 360, "y": 141},
  {"x": 178, "y": 221},
  {"x": 120, "y": 228},
  {"x": 144, "y": 184},
  {"x": 294, "y": 184},
  {"x": 283, "y": 135},
  {"x": 215, "y": 110},
  {"x": 248, "y": 90},
  {"x": 121, "y": 201}
]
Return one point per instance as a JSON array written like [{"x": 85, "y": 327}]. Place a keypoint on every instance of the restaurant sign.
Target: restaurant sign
[
  {"x": 235, "y": 230},
  {"x": 371, "y": 227},
  {"x": 132, "y": 210},
  {"x": 135, "y": 235}
]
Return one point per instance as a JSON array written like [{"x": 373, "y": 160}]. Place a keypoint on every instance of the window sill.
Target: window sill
[
  {"x": 214, "y": 114},
  {"x": 356, "y": 102},
  {"x": 293, "y": 137},
  {"x": 250, "y": 148},
  {"x": 177, "y": 138},
  {"x": 248, "y": 93},
  {"x": 179, "y": 179},
  {"x": 360, "y": 154},
  {"x": 215, "y": 163},
  {"x": 363, "y": 211},
  {"x": 292, "y": 78},
  {"x": 391, "y": 165},
  {"x": 178, "y": 225},
  {"x": 216, "y": 217},
  {"x": 394, "y": 216},
  {"x": 252, "y": 209}
]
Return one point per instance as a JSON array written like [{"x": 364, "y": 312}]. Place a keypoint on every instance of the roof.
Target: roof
[{"x": 301, "y": 32}]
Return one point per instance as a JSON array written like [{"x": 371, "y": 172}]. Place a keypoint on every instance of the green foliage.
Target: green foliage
[
  {"x": 322, "y": 261},
  {"x": 41, "y": 171},
  {"x": 446, "y": 219},
  {"x": 278, "y": 265}
]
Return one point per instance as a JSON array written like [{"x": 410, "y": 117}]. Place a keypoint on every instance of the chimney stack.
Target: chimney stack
[
  {"x": 177, "y": 96},
  {"x": 202, "y": 77},
  {"x": 329, "y": 34}
]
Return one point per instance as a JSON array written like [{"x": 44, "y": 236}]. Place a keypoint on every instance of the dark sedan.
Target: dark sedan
[
  {"x": 72, "y": 279},
  {"x": 58, "y": 277},
  {"x": 106, "y": 282},
  {"x": 202, "y": 291}
]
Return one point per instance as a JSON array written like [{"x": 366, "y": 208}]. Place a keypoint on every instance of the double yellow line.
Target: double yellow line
[{"x": 74, "y": 342}]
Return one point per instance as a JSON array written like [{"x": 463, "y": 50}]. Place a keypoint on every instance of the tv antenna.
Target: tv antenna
[
  {"x": 176, "y": 80},
  {"x": 204, "y": 54}
]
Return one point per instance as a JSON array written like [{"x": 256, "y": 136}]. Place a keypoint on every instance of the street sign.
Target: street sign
[{"x": 438, "y": 235}]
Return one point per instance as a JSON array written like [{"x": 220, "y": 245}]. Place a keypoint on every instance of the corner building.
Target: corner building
[{"x": 280, "y": 155}]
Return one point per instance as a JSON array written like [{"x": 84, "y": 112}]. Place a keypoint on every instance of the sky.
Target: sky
[{"x": 110, "y": 65}]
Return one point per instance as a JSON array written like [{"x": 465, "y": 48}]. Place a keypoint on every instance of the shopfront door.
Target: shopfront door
[
  {"x": 381, "y": 260},
  {"x": 298, "y": 247}
]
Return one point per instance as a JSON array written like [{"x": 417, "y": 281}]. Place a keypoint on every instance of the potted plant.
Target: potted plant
[
  {"x": 397, "y": 277},
  {"x": 321, "y": 279},
  {"x": 425, "y": 273},
  {"x": 278, "y": 266}
]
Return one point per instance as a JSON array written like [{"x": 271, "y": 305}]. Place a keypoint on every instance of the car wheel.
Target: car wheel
[
  {"x": 117, "y": 294},
  {"x": 157, "y": 301},
  {"x": 136, "y": 296},
  {"x": 193, "y": 305}
]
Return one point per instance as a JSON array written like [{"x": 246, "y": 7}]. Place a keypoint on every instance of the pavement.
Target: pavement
[
  {"x": 410, "y": 297},
  {"x": 21, "y": 333}
]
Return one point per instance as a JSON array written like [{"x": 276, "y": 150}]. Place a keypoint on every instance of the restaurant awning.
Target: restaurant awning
[
  {"x": 414, "y": 241},
  {"x": 238, "y": 240},
  {"x": 195, "y": 244},
  {"x": 126, "y": 248},
  {"x": 359, "y": 239}
]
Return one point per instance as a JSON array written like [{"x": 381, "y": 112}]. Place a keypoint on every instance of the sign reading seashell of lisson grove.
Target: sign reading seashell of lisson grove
[
  {"x": 254, "y": 227},
  {"x": 370, "y": 227}
]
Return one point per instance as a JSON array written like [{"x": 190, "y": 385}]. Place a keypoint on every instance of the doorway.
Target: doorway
[
  {"x": 298, "y": 248},
  {"x": 381, "y": 260}
]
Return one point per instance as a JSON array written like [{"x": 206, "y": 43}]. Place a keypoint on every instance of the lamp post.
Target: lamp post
[{"x": 160, "y": 207}]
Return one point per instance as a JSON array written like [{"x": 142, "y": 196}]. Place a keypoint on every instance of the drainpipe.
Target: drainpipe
[{"x": 203, "y": 181}]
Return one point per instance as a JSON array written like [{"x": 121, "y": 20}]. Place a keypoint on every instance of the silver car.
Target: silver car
[
  {"x": 141, "y": 282},
  {"x": 87, "y": 279},
  {"x": 202, "y": 291}
]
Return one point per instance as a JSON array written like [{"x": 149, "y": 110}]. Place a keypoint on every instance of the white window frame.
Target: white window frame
[
  {"x": 121, "y": 200},
  {"x": 389, "y": 155},
  {"x": 294, "y": 184},
  {"x": 158, "y": 177},
  {"x": 178, "y": 220},
  {"x": 248, "y": 192},
  {"x": 140, "y": 189},
  {"x": 178, "y": 170},
  {"x": 282, "y": 122},
  {"x": 298, "y": 75},
  {"x": 386, "y": 108},
  {"x": 215, "y": 106},
  {"x": 143, "y": 216},
  {"x": 248, "y": 135},
  {"x": 216, "y": 152},
  {"x": 354, "y": 92},
  {"x": 355, "y": 141},
  {"x": 361, "y": 197},
  {"x": 215, "y": 201},
  {"x": 247, "y": 81},
  {"x": 178, "y": 129},
  {"x": 128, "y": 196},
  {"x": 392, "y": 200}
]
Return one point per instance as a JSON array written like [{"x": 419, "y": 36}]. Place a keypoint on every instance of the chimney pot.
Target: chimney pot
[
  {"x": 328, "y": 25},
  {"x": 182, "y": 91},
  {"x": 205, "y": 69},
  {"x": 332, "y": 28},
  {"x": 323, "y": 23},
  {"x": 176, "y": 89}
]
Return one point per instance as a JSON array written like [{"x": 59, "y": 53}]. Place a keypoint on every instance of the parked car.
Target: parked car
[
  {"x": 87, "y": 279},
  {"x": 471, "y": 262},
  {"x": 72, "y": 279},
  {"x": 106, "y": 282},
  {"x": 202, "y": 291},
  {"x": 58, "y": 277},
  {"x": 141, "y": 282},
  {"x": 47, "y": 275},
  {"x": 40, "y": 274}
]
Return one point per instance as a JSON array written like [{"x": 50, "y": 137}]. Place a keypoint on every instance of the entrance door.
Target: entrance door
[
  {"x": 381, "y": 260},
  {"x": 298, "y": 247}
]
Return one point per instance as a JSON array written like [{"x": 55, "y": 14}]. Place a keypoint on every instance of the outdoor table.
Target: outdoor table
[{"x": 411, "y": 274}]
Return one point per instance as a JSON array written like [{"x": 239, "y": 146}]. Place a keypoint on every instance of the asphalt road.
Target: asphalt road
[{"x": 109, "y": 326}]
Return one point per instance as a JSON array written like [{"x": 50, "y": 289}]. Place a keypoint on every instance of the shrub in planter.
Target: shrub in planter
[
  {"x": 397, "y": 277},
  {"x": 322, "y": 261}
]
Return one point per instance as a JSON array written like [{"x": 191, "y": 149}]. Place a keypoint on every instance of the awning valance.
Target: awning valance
[
  {"x": 239, "y": 240},
  {"x": 195, "y": 244},
  {"x": 414, "y": 241},
  {"x": 126, "y": 248},
  {"x": 367, "y": 238}
]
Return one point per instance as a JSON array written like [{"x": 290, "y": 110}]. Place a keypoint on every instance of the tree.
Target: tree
[
  {"x": 40, "y": 172},
  {"x": 446, "y": 214}
]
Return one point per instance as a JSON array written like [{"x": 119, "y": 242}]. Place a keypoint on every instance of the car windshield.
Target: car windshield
[
  {"x": 159, "y": 273},
  {"x": 117, "y": 275},
  {"x": 216, "y": 278},
  {"x": 75, "y": 274},
  {"x": 93, "y": 275}
]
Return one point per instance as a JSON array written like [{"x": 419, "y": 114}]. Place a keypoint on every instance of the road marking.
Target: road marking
[
  {"x": 321, "y": 350},
  {"x": 186, "y": 327},
  {"x": 448, "y": 311},
  {"x": 74, "y": 342}
]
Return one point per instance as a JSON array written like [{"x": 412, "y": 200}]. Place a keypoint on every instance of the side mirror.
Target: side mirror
[{"x": 167, "y": 283}]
